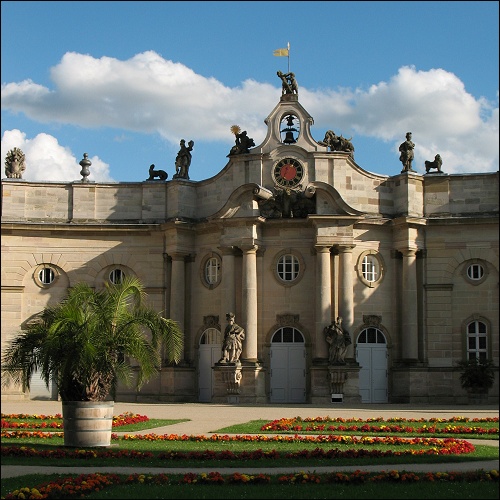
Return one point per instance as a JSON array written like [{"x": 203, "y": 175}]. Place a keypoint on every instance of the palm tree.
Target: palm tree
[{"x": 84, "y": 343}]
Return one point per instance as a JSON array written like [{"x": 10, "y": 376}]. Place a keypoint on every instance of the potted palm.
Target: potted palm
[
  {"x": 84, "y": 344},
  {"x": 477, "y": 377}
]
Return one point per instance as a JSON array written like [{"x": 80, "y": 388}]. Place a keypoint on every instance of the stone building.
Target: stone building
[{"x": 289, "y": 235}]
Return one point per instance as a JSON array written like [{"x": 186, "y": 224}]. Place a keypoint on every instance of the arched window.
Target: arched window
[
  {"x": 287, "y": 334},
  {"x": 477, "y": 340},
  {"x": 371, "y": 336},
  {"x": 210, "y": 336}
]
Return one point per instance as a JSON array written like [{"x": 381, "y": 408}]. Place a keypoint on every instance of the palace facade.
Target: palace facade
[{"x": 288, "y": 236}]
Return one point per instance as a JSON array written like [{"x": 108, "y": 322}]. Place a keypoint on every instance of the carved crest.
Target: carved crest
[
  {"x": 14, "y": 164},
  {"x": 287, "y": 319},
  {"x": 372, "y": 320}
]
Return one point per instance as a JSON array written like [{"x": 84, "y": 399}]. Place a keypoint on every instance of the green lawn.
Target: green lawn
[{"x": 288, "y": 450}]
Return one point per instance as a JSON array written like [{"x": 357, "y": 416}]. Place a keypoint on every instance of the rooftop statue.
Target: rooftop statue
[
  {"x": 161, "y": 174},
  {"x": 406, "y": 149},
  {"x": 288, "y": 83},
  {"x": 437, "y": 163},
  {"x": 243, "y": 143},
  {"x": 183, "y": 160},
  {"x": 14, "y": 164},
  {"x": 337, "y": 143}
]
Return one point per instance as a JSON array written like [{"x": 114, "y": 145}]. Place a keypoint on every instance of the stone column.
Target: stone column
[
  {"x": 323, "y": 299},
  {"x": 409, "y": 306},
  {"x": 178, "y": 290},
  {"x": 249, "y": 302},
  {"x": 346, "y": 292},
  {"x": 228, "y": 290}
]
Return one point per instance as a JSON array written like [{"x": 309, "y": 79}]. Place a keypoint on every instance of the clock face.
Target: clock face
[{"x": 288, "y": 172}]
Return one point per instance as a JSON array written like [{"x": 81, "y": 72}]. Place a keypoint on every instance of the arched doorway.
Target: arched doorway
[
  {"x": 371, "y": 354},
  {"x": 209, "y": 353},
  {"x": 288, "y": 366}
]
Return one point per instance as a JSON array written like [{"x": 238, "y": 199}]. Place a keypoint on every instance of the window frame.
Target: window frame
[
  {"x": 472, "y": 263},
  {"x": 40, "y": 269},
  {"x": 478, "y": 352},
  {"x": 116, "y": 270},
  {"x": 203, "y": 270},
  {"x": 379, "y": 265},
  {"x": 298, "y": 260}
]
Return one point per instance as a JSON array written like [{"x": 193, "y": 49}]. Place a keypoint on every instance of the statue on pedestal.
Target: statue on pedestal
[{"x": 339, "y": 339}]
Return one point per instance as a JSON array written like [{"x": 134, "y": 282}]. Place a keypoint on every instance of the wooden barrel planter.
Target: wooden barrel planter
[{"x": 87, "y": 423}]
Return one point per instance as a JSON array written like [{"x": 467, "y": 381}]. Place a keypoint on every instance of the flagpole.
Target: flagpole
[{"x": 288, "y": 57}]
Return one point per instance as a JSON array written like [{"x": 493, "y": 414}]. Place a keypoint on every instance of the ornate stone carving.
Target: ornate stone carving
[
  {"x": 338, "y": 378},
  {"x": 287, "y": 319},
  {"x": 288, "y": 203},
  {"x": 372, "y": 320},
  {"x": 211, "y": 321},
  {"x": 232, "y": 378},
  {"x": 14, "y": 164}
]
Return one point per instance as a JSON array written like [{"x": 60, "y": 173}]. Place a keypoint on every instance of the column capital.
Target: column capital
[
  {"x": 346, "y": 248},
  {"x": 249, "y": 248},
  {"x": 322, "y": 248},
  {"x": 227, "y": 250},
  {"x": 408, "y": 251},
  {"x": 178, "y": 255}
]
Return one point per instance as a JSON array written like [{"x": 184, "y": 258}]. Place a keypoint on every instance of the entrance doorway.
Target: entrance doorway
[
  {"x": 209, "y": 354},
  {"x": 371, "y": 354},
  {"x": 288, "y": 366}
]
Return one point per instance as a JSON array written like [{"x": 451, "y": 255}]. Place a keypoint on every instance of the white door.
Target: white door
[
  {"x": 371, "y": 354},
  {"x": 288, "y": 367},
  {"x": 38, "y": 389},
  {"x": 209, "y": 354}
]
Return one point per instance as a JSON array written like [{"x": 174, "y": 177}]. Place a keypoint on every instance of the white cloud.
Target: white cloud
[
  {"x": 47, "y": 160},
  {"x": 149, "y": 94}
]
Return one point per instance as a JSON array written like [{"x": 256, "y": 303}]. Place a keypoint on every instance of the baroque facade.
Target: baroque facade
[{"x": 290, "y": 235}]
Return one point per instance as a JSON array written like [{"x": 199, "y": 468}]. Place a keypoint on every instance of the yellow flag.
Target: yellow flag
[{"x": 280, "y": 52}]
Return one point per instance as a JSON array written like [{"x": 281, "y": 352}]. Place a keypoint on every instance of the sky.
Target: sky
[{"x": 125, "y": 81}]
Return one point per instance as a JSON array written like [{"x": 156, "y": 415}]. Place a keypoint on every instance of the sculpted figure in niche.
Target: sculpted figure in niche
[
  {"x": 232, "y": 344},
  {"x": 437, "y": 163},
  {"x": 339, "y": 339},
  {"x": 406, "y": 149},
  {"x": 14, "y": 164}
]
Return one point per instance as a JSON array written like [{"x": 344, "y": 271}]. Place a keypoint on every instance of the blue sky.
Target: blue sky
[{"x": 126, "y": 81}]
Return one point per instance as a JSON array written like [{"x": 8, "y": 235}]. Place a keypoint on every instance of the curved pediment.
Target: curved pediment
[{"x": 253, "y": 200}]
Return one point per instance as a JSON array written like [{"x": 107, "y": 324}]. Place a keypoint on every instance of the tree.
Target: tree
[{"x": 85, "y": 343}]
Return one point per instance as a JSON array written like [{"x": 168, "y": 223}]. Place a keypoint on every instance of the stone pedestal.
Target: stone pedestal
[
  {"x": 227, "y": 382},
  {"x": 232, "y": 387},
  {"x": 344, "y": 380}
]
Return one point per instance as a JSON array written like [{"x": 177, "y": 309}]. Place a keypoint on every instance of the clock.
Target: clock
[{"x": 288, "y": 172}]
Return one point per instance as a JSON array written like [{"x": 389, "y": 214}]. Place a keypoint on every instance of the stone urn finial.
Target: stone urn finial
[{"x": 85, "y": 164}]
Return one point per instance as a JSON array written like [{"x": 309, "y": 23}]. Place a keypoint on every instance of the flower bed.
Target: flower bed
[
  {"x": 431, "y": 446},
  {"x": 85, "y": 484},
  {"x": 118, "y": 421},
  {"x": 320, "y": 424}
]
